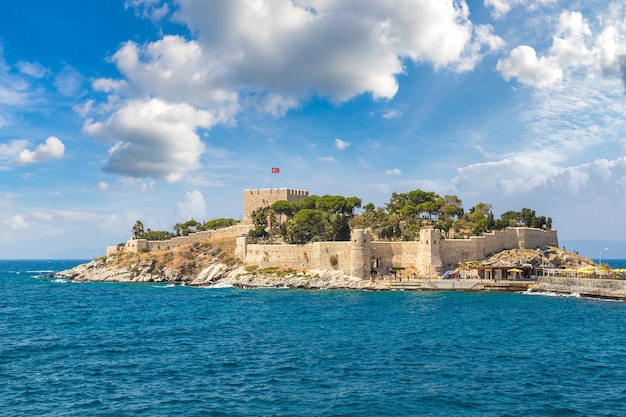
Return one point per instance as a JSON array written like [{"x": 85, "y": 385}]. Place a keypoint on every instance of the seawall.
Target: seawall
[{"x": 586, "y": 287}]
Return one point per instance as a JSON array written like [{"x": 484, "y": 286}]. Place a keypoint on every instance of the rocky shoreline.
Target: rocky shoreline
[{"x": 219, "y": 274}]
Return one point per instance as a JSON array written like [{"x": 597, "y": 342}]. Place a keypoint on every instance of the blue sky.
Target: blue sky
[{"x": 113, "y": 111}]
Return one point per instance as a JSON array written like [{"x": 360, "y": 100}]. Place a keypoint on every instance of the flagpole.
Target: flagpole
[{"x": 274, "y": 171}]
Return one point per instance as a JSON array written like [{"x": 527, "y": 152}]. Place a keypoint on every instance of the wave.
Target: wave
[
  {"x": 552, "y": 294},
  {"x": 219, "y": 285}
]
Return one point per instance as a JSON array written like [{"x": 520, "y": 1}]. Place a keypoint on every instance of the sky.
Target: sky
[{"x": 113, "y": 111}]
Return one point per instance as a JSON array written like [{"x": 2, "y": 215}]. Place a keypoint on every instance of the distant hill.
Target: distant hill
[{"x": 592, "y": 248}]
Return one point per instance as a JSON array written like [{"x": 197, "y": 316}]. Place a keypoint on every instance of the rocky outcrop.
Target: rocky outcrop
[
  {"x": 549, "y": 257},
  {"x": 218, "y": 274}
]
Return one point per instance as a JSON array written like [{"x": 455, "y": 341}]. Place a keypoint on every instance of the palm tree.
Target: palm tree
[{"x": 138, "y": 229}]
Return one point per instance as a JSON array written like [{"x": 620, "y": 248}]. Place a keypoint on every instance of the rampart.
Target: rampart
[
  {"x": 453, "y": 251},
  {"x": 430, "y": 256},
  {"x": 141, "y": 245},
  {"x": 254, "y": 199}
]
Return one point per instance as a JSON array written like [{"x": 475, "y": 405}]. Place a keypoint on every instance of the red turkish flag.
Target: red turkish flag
[{"x": 275, "y": 170}]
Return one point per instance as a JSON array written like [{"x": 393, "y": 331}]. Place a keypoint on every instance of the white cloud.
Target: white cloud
[
  {"x": 32, "y": 69},
  {"x": 153, "y": 139},
  {"x": 193, "y": 207},
  {"x": 327, "y": 159},
  {"x": 108, "y": 85},
  {"x": 149, "y": 9},
  {"x": 15, "y": 91},
  {"x": 17, "y": 223},
  {"x": 12, "y": 148},
  {"x": 69, "y": 82},
  {"x": 53, "y": 148},
  {"x": 502, "y": 7},
  {"x": 394, "y": 171},
  {"x": 103, "y": 186},
  {"x": 573, "y": 49},
  {"x": 569, "y": 45},
  {"x": 520, "y": 180},
  {"x": 524, "y": 65},
  {"x": 175, "y": 70},
  {"x": 296, "y": 49},
  {"x": 392, "y": 114},
  {"x": 341, "y": 145}
]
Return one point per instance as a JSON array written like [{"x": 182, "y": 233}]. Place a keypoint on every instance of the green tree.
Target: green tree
[
  {"x": 305, "y": 225},
  {"x": 138, "y": 229},
  {"x": 218, "y": 223}
]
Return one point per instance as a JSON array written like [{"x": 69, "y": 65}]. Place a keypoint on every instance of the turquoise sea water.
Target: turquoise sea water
[{"x": 77, "y": 349}]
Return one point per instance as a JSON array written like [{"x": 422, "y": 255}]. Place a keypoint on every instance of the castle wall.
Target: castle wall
[
  {"x": 394, "y": 254},
  {"x": 453, "y": 251},
  {"x": 140, "y": 245},
  {"x": 254, "y": 199},
  {"x": 430, "y": 256},
  {"x": 318, "y": 255}
]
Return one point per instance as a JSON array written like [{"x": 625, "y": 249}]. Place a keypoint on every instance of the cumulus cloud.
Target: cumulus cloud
[
  {"x": 341, "y": 145},
  {"x": 517, "y": 179},
  {"x": 192, "y": 207},
  {"x": 326, "y": 159},
  {"x": 10, "y": 149},
  {"x": 573, "y": 47},
  {"x": 570, "y": 43},
  {"x": 269, "y": 56},
  {"x": 295, "y": 49},
  {"x": 153, "y": 139},
  {"x": 52, "y": 148},
  {"x": 524, "y": 65}
]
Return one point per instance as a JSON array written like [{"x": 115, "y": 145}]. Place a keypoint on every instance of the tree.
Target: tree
[
  {"x": 190, "y": 226},
  {"x": 219, "y": 223},
  {"x": 452, "y": 206},
  {"x": 138, "y": 229},
  {"x": 305, "y": 225}
]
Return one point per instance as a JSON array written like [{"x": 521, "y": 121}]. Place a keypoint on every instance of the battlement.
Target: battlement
[{"x": 291, "y": 192}]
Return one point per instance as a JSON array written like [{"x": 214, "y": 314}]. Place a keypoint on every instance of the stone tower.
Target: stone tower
[
  {"x": 254, "y": 199},
  {"x": 428, "y": 263},
  {"x": 360, "y": 253}
]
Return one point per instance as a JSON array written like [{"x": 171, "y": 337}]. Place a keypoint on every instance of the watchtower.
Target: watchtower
[{"x": 254, "y": 199}]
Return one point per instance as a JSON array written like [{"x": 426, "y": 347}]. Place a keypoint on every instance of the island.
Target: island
[{"x": 276, "y": 245}]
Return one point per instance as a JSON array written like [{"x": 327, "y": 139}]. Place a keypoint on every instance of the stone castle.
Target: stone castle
[{"x": 430, "y": 256}]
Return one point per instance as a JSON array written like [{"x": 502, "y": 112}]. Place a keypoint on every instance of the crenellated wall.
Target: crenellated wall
[
  {"x": 254, "y": 199},
  {"x": 453, "y": 251},
  {"x": 430, "y": 256},
  {"x": 141, "y": 245}
]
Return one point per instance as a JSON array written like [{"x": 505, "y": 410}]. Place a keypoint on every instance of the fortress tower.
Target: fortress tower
[
  {"x": 360, "y": 253},
  {"x": 428, "y": 262},
  {"x": 254, "y": 199}
]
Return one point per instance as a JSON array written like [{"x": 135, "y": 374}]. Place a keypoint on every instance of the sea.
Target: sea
[{"x": 112, "y": 349}]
